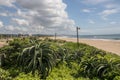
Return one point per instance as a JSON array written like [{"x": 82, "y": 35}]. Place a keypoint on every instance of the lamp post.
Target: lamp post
[{"x": 77, "y": 28}]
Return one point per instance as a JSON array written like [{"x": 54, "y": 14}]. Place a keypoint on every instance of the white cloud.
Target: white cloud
[
  {"x": 113, "y": 22},
  {"x": 7, "y": 2},
  {"x": 111, "y": 6},
  {"x": 109, "y": 12},
  {"x": 50, "y": 15},
  {"x": 15, "y": 29},
  {"x": 1, "y": 24},
  {"x": 104, "y": 18},
  {"x": 94, "y": 2},
  {"x": 27, "y": 14},
  {"x": 86, "y": 10},
  {"x": 10, "y": 27},
  {"x": 3, "y": 14},
  {"x": 21, "y": 22},
  {"x": 91, "y": 22}
]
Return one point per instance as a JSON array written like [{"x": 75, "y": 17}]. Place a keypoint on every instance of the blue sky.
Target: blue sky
[
  {"x": 95, "y": 16},
  {"x": 60, "y": 16}
]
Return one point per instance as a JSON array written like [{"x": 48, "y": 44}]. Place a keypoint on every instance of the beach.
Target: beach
[
  {"x": 112, "y": 46},
  {"x": 2, "y": 44}
]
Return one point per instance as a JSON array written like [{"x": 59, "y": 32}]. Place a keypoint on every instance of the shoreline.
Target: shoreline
[{"x": 108, "y": 45}]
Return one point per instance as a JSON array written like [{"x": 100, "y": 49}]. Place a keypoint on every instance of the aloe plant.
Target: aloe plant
[
  {"x": 101, "y": 68},
  {"x": 39, "y": 57}
]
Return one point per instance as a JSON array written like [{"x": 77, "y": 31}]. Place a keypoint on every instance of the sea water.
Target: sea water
[{"x": 111, "y": 37}]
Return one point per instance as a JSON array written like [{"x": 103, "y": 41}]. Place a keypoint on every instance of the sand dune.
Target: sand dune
[{"x": 107, "y": 45}]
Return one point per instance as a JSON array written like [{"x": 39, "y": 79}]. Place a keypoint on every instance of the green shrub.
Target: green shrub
[
  {"x": 29, "y": 76},
  {"x": 57, "y": 60},
  {"x": 4, "y": 75},
  {"x": 39, "y": 57},
  {"x": 100, "y": 67},
  {"x": 117, "y": 78}
]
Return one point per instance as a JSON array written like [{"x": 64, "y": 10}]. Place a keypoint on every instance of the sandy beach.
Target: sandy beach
[
  {"x": 107, "y": 45},
  {"x": 2, "y": 44}
]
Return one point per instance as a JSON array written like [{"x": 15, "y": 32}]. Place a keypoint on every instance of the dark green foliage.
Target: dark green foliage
[
  {"x": 40, "y": 57},
  {"x": 92, "y": 62},
  {"x": 8, "y": 50},
  {"x": 100, "y": 67},
  {"x": 19, "y": 44},
  {"x": 2, "y": 59},
  {"x": 13, "y": 49}
]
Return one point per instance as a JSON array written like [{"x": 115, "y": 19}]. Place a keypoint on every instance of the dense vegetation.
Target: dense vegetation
[{"x": 35, "y": 59}]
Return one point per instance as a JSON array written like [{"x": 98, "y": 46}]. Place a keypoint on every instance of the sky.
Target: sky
[{"x": 60, "y": 16}]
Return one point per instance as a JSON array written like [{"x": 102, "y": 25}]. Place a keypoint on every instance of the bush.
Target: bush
[
  {"x": 29, "y": 76},
  {"x": 100, "y": 67},
  {"x": 4, "y": 75}
]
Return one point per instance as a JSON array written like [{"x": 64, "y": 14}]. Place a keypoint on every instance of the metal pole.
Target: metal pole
[
  {"x": 55, "y": 36},
  {"x": 0, "y": 36},
  {"x": 77, "y": 28}
]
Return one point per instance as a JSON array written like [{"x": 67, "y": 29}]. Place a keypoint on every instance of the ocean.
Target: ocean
[{"x": 110, "y": 37}]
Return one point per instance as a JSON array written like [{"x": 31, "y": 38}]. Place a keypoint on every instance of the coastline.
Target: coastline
[{"x": 112, "y": 46}]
